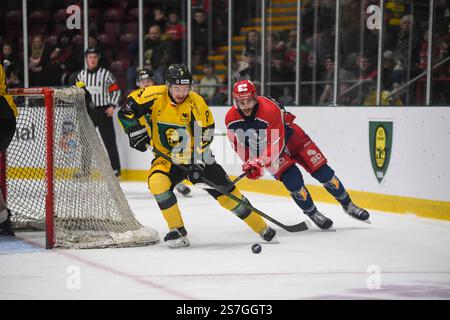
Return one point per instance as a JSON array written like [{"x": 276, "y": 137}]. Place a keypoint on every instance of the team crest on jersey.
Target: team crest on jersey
[
  {"x": 172, "y": 136},
  {"x": 380, "y": 142}
]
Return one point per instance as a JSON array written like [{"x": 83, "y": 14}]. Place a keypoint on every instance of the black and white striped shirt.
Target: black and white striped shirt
[{"x": 102, "y": 86}]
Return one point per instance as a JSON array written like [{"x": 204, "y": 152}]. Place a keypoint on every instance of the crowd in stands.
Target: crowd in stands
[{"x": 56, "y": 54}]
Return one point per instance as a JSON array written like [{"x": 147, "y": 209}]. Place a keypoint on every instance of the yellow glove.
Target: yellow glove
[{"x": 87, "y": 95}]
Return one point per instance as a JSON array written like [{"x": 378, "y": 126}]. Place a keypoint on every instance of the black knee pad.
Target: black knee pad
[
  {"x": 324, "y": 174},
  {"x": 292, "y": 179}
]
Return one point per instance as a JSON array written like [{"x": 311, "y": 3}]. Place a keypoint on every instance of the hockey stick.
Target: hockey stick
[
  {"x": 302, "y": 226},
  {"x": 243, "y": 175}
]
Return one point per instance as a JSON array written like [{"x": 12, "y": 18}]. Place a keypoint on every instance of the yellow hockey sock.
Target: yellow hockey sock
[
  {"x": 252, "y": 219},
  {"x": 159, "y": 185},
  {"x": 256, "y": 222}
]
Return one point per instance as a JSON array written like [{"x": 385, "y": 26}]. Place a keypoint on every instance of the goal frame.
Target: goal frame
[{"x": 76, "y": 199}]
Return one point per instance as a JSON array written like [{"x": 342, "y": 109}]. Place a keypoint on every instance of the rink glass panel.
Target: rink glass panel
[{"x": 113, "y": 26}]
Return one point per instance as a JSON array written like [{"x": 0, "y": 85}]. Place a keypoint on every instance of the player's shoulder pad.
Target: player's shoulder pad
[
  {"x": 232, "y": 115},
  {"x": 198, "y": 103},
  {"x": 154, "y": 92},
  {"x": 267, "y": 101},
  {"x": 195, "y": 97},
  {"x": 148, "y": 93}
]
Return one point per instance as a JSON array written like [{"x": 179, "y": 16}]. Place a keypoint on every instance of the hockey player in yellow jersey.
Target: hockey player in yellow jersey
[
  {"x": 8, "y": 114},
  {"x": 144, "y": 79},
  {"x": 181, "y": 126}
]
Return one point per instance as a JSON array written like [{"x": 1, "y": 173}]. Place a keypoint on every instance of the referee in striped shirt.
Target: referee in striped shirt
[{"x": 105, "y": 93}]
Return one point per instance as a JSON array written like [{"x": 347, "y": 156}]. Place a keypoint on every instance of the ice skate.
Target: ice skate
[
  {"x": 320, "y": 220},
  {"x": 356, "y": 212},
  {"x": 268, "y": 234},
  {"x": 176, "y": 238}
]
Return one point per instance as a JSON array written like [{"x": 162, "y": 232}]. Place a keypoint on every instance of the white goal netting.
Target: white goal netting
[{"x": 83, "y": 202}]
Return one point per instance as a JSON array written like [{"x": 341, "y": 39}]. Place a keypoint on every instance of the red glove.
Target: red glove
[{"x": 254, "y": 169}]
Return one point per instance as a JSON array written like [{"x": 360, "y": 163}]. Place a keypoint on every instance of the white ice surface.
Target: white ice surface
[{"x": 412, "y": 254}]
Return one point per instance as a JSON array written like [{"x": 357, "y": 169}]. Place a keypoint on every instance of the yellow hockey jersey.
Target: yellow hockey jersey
[
  {"x": 6, "y": 100},
  {"x": 185, "y": 131}
]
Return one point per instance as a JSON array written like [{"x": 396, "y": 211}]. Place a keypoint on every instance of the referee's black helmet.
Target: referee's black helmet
[{"x": 92, "y": 50}]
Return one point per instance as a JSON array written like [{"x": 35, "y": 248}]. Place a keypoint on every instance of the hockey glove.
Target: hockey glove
[
  {"x": 254, "y": 169},
  {"x": 87, "y": 96},
  {"x": 196, "y": 172},
  {"x": 139, "y": 138}
]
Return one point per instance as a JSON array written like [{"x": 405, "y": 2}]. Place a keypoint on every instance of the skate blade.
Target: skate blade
[
  {"x": 365, "y": 221},
  {"x": 309, "y": 224},
  {"x": 273, "y": 241},
  {"x": 178, "y": 243}
]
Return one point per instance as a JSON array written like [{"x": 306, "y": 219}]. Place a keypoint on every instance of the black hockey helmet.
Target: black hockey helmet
[
  {"x": 144, "y": 74},
  {"x": 178, "y": 74}
]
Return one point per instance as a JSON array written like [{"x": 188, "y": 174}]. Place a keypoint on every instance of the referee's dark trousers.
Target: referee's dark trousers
[{"x": 106, "y": 128}]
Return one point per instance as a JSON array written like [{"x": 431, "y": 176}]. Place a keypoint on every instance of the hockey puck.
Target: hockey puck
[{"x": 256, "y": 248}]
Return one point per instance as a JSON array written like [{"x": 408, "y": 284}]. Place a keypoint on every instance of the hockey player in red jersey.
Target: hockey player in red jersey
[{"x": 265, "y": 137}]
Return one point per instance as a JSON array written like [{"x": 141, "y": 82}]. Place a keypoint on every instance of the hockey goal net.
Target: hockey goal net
[{"x": 57, "y": 177}]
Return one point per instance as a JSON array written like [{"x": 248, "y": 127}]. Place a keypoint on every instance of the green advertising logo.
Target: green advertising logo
[{"x": 380, "y": 141}]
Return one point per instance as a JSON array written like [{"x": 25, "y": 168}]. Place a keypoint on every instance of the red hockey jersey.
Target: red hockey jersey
[{"x": 263, "y": 134}]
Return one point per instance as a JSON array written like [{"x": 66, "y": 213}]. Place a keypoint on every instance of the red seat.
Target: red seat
[
  {"x": 37, "y": 29},
  {"x": 132, "y": 27},
  {"x": 13, "y": 17},
  {"x": 119, "y": 67},
  {"x": 39, "y": 17},
  {"x": 113, "y": 14},
  {"x": 133, "y": 14},
  {"x": 78, "y": 40},
  {"x": 52, "y": 40},
  {"x": 124, "y": 42},
  {"x": 60, "y": 16},
  {"x": 126, "y": 39},
  {"x": 93, "y": 14},
  {"x": 117, "y": 3},
  {"x": 59, "y": 27},
  {"x": 106, "y": 40},
  {"x": 13, "y": 31},
  {"x": 123, "y": 54},
  {"x": 112, "y": 28},
  {"x": 133, "y": 3},
  {"x": 108, "y": 54}
]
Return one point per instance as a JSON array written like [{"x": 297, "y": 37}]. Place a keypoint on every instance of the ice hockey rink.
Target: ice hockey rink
[{"x": 395, "y": 257}]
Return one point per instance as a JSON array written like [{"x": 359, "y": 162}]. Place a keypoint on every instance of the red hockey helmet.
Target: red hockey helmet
[{"x": 244, "y": 89}]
